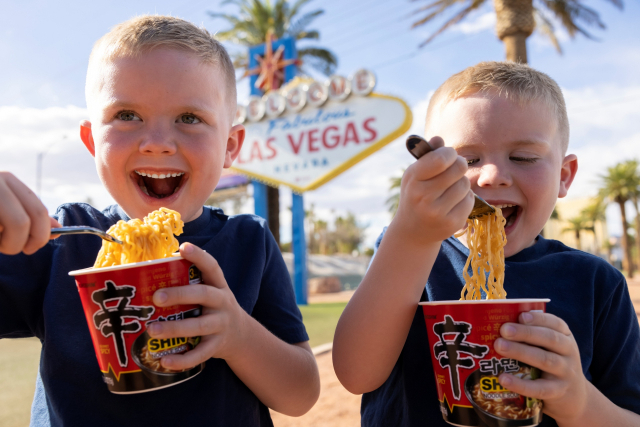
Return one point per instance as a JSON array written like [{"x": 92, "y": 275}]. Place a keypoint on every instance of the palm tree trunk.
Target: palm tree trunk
[
  {"x": 578, "y": 240},
  {"x": 627, "y": 263},
  {"x": 516, "y": 47},
  {"x": 273, "y": 209},
  {"x": 514, "y": 23},
  {"x": 635, "y": 204}
]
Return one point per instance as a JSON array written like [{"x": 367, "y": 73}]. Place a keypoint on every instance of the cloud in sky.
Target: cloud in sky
[{"x": 604, "y": 130}]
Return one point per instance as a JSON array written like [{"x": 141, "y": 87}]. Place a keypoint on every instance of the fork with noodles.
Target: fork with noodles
[{"x": 143, "y": 240}]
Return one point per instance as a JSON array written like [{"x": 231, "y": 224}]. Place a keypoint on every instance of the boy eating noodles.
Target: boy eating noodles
[
  {"x": 505, "y": 133},
  {"x": 161, "y": 97}
]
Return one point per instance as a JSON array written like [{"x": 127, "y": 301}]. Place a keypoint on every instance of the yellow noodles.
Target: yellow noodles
[
  {"x": 486, "y": 240},
  {"x": 145, "y": 240}
]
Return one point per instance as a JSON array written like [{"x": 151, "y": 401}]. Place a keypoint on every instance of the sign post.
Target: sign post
[{"x": 308, "y": 134}]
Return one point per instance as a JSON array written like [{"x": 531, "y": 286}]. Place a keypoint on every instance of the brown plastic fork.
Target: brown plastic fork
[
  {"x": 85, "y": 230},
  {"x": 418, "y": 147}
]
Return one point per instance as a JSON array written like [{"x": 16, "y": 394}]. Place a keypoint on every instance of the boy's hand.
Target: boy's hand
[
  {"x": 545, "y": 341},
  {"x": 25, "y": 225},
  {"x": 435, "y": 196},
  {"x": 221, "y": 323}
]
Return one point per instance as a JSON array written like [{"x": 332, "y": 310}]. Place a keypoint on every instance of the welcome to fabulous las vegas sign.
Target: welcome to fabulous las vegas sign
[{"x": 310, "y": 132}]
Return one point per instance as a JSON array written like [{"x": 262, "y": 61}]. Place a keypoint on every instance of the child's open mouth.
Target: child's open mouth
[
  {"x": 159, "y": 185},
  {"x": 510, "y": 213}
]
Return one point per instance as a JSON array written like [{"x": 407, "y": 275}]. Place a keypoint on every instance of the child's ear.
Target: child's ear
[
  {"x": 234, "y": 144},
  {"x": 87, "y": 136},
  {"x": 567, "y": 173}
]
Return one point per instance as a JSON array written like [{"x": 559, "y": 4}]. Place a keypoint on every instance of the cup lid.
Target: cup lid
[
  {"x": 174, "y": 257},
  {"x": 486, "y": 301}
]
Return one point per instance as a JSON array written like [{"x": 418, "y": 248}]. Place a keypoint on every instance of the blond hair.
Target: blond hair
[
  {"x": 143, "y": 33},
  {"x": 516, "y": 82}
]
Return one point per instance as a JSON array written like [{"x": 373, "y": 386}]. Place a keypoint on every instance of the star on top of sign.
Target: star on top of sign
[{"x": 271, "y": 66}]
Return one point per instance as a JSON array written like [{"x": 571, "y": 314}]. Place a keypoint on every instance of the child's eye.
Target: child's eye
[
  {"x": 127, "y": 116},
  {"x": 472, "y": 161},
  {"x": 524, "y": 159},
  {"x": 189, "y": 119}
]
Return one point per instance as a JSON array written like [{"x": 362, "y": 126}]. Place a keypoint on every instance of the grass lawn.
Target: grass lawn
[
  {"x": 19, "y": 362},
  {"x": 18, "y": 369},
  {"x": 321, "y": 320}
]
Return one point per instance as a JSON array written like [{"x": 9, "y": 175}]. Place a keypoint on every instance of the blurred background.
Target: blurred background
[{"x": 589, "y": 47}]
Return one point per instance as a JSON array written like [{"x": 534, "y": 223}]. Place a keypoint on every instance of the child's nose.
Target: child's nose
[
  {"x": 158, "y": 141},
  {"x": 491, "y": 175}
]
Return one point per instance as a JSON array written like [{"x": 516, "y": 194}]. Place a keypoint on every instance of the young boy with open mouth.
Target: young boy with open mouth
[
  {"x": 505, "y": 133},
  {"x": 161, "y": 97}
]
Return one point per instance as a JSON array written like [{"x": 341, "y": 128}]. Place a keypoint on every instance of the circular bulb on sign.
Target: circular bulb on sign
[
  {"x": 241, "y": 115},
  {"x": 255, "y": 108},
  {"x": 339, "y": 88},
  {"x": 296, "y": 98},
  {"x": 317, "y": 94},
  {"x": 274, "y": 104},
  {"x": 362, "y": 82}
]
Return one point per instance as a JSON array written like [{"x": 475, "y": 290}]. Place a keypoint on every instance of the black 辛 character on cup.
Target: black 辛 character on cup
[
  {"x": 111, "y": 320},
  {"x": 450, "y": 352}
]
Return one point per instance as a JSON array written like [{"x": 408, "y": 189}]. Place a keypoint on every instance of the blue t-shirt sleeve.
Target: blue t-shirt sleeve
[
  {"x": 276, "y": 307},
  {"x": 23, "y": 281},
  {"x": 616, "y": 358}
]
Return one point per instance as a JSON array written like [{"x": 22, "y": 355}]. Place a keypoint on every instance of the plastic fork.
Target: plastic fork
[
  {"x": 85, "y": 230},
  {"x": 418, "y": 147}
]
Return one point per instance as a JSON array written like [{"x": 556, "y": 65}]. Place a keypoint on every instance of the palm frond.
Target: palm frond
[
  {"x": 296, "y": 7},
  {"x": 311, "y": 35},
  {"x": 440, "y": 5},
  {"x": 457, "y": 18},
  {"x": 320, "y": 59},
  {"x": 300, "y": 24},
  {"x": 545, "y": 26}
]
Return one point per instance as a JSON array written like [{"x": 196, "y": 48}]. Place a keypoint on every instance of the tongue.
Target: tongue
[
  {"x": 162, "y": 187},
  {"x": 506, "y": 212}
]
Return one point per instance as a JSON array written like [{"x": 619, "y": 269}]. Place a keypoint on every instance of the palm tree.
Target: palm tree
[
  {"x": 394, "y": 200},
  {"x": 517, "y": 19},
  {"x": 617, "y": 185},
  {"x": 594, "y": 212},
  {"x": 256, "y": 19},
  {"x": 634, "y": 195},
  {"x": 252, "y": 25},
  {"x": 576, "y": 225}
]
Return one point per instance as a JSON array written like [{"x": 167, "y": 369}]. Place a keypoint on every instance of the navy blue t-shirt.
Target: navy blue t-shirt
[
  {"x": 585, "y": 291},
  {"x": 39, "y": 298}
]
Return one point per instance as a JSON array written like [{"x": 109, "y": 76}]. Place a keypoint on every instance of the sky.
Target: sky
[{"x": 45, "y": 46}]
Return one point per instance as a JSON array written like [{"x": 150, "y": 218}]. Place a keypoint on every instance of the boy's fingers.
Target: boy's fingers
[
  {"x": 547, "y": 361},
  {"x": 433, "y": 163},
  {"x": 207, "y": 296},
  {"x": 54, "y": 224},
  {"x": 539, "y": 336},
  {"x": 436, "y": 142},
  {"x": 547, "y": 320},
  {"x": 191, "y": 358},
  {"x": 195, "y": 327},
  {"x": 211, "y": 272},
  {"x": 37, "y": 223},
  {"x": 15, "y": 222},
  {"x": 539, "y": 389}
]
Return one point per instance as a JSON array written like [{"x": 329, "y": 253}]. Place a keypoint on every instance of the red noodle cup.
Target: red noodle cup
[
  {"x": 466, "y": 366},
  {"x": 117, "y": 302}
]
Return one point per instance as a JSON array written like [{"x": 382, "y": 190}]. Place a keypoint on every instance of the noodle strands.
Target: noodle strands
[
  {"x": 486, "y": 240},
  {"x": 146, "y": 240}
]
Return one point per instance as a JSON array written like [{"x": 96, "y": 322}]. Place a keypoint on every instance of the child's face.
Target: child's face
[
  {"x": 514, "y": 156},
  {"x": 165, "y": 115}
]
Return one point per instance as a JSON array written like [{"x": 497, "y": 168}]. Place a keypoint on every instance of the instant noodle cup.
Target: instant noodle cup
[
  {"x": 467, "y": 367},
  {"x": 117, "y": 302}
]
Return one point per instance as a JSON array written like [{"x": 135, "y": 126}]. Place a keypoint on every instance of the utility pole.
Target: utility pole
[{"x": 39, "y": 167}]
